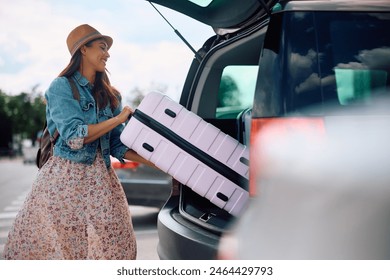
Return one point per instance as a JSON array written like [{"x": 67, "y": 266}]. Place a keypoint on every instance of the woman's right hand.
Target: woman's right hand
[
  {"x": 99, "y": 129},
  {"x": 125, "y": 114}
]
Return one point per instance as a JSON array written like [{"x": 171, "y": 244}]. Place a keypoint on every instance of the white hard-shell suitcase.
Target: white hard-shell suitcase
[{"x": 194, "y": 152}]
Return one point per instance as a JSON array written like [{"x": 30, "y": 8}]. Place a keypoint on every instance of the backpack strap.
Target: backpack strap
[
  {"x": 53, "y": 139},
  {"x": 76, "y": 95},
  {"x": 47, "y": 142}
]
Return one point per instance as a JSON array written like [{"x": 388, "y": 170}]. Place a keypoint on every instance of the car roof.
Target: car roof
[
  {"x": 233, "y": 14},
  {"x": 220, "y": 13},
  {"x": 336, "y": 5}
]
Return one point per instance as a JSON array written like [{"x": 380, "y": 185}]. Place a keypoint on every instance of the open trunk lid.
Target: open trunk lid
[{"x": 221, "y": 14}]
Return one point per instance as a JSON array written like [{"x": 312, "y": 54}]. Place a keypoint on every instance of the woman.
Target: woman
[{"x": 77, "y": 208}]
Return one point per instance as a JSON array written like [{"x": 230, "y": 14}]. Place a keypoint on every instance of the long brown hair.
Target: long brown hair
[{"x": 102, "y": 90}]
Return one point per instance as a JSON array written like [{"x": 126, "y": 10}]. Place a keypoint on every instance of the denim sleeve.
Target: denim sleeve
[
  {"x": 66, "y": 113},
  {"x": 117, "y": 148}
]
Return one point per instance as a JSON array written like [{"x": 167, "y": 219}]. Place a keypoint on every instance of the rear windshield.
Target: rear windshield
[{"x": 316, "y": 58}]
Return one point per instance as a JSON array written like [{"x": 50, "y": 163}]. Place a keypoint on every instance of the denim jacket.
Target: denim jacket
[{"x": 71, "y": 117}]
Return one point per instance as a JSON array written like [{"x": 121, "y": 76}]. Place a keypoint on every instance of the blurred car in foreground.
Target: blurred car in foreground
[
  {"x": 321, "y": 196},
  {"x": 143, "y": 185}
]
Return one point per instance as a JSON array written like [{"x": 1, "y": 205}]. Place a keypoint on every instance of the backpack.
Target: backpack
[{"x": 46, "y": 145}]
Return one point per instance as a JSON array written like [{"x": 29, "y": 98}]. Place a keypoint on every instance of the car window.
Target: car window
[
  {"x": 344, "y": 60},
  {"x": 362, "y": 67},
  {"x": 328, "y": 57},
  {"x": 354, "y": 85},
  {"x": 236, "y": 90}
]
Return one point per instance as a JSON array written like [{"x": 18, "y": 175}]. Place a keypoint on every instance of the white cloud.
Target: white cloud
[{"x": 146, "y": 51}]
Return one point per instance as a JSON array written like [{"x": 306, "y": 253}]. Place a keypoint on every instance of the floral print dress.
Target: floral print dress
[{"x": 74, "y": 211}]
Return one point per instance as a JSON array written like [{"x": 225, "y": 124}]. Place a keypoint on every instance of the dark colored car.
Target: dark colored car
[
  {"x": 143, "y": 185},
  {"x": 276, "y": 63}
]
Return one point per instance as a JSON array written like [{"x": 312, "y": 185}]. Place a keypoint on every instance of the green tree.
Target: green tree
[
  {"x": 137, "y": 94},
  {"x": 228, "y": 94},
  {"x": 5, "y": 127},
  {"x": 24, "y": 113}
]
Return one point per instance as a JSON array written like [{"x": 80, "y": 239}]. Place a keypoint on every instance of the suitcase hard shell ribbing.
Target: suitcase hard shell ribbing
[{"x": 194, "y": 152}]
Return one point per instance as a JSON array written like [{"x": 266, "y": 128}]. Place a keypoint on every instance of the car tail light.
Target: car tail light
[
  {"x": 127, "y": 164},
  {"x": 267, "y": 131}
]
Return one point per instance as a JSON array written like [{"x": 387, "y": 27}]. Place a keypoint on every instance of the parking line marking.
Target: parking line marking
[
  {"x": 8, "y": 215},
  {"x": 1, "y": 251},
  {"x": 6, "y": 223},
  {"x": 17, "y": 202},
  {"x": 12, "y": 208},
  {"x": 145, "y": 231},
  {"x": 4, "y": 234}
]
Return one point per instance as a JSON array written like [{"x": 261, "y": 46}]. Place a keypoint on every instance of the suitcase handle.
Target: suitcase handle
[
  {"x": 148, "y": 147},
  {"x": 170, "y": 113}
]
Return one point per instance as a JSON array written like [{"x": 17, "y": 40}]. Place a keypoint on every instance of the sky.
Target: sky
[{"x": 146, "y": 53}]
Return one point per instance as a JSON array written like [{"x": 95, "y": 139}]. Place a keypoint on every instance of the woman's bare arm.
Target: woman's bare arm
[
  {"x": 95, "y": 131},
  {"x": 133, "y": 156}
]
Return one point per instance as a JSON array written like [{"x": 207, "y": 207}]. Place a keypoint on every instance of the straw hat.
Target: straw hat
[{"x": 83, "y": 34}]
